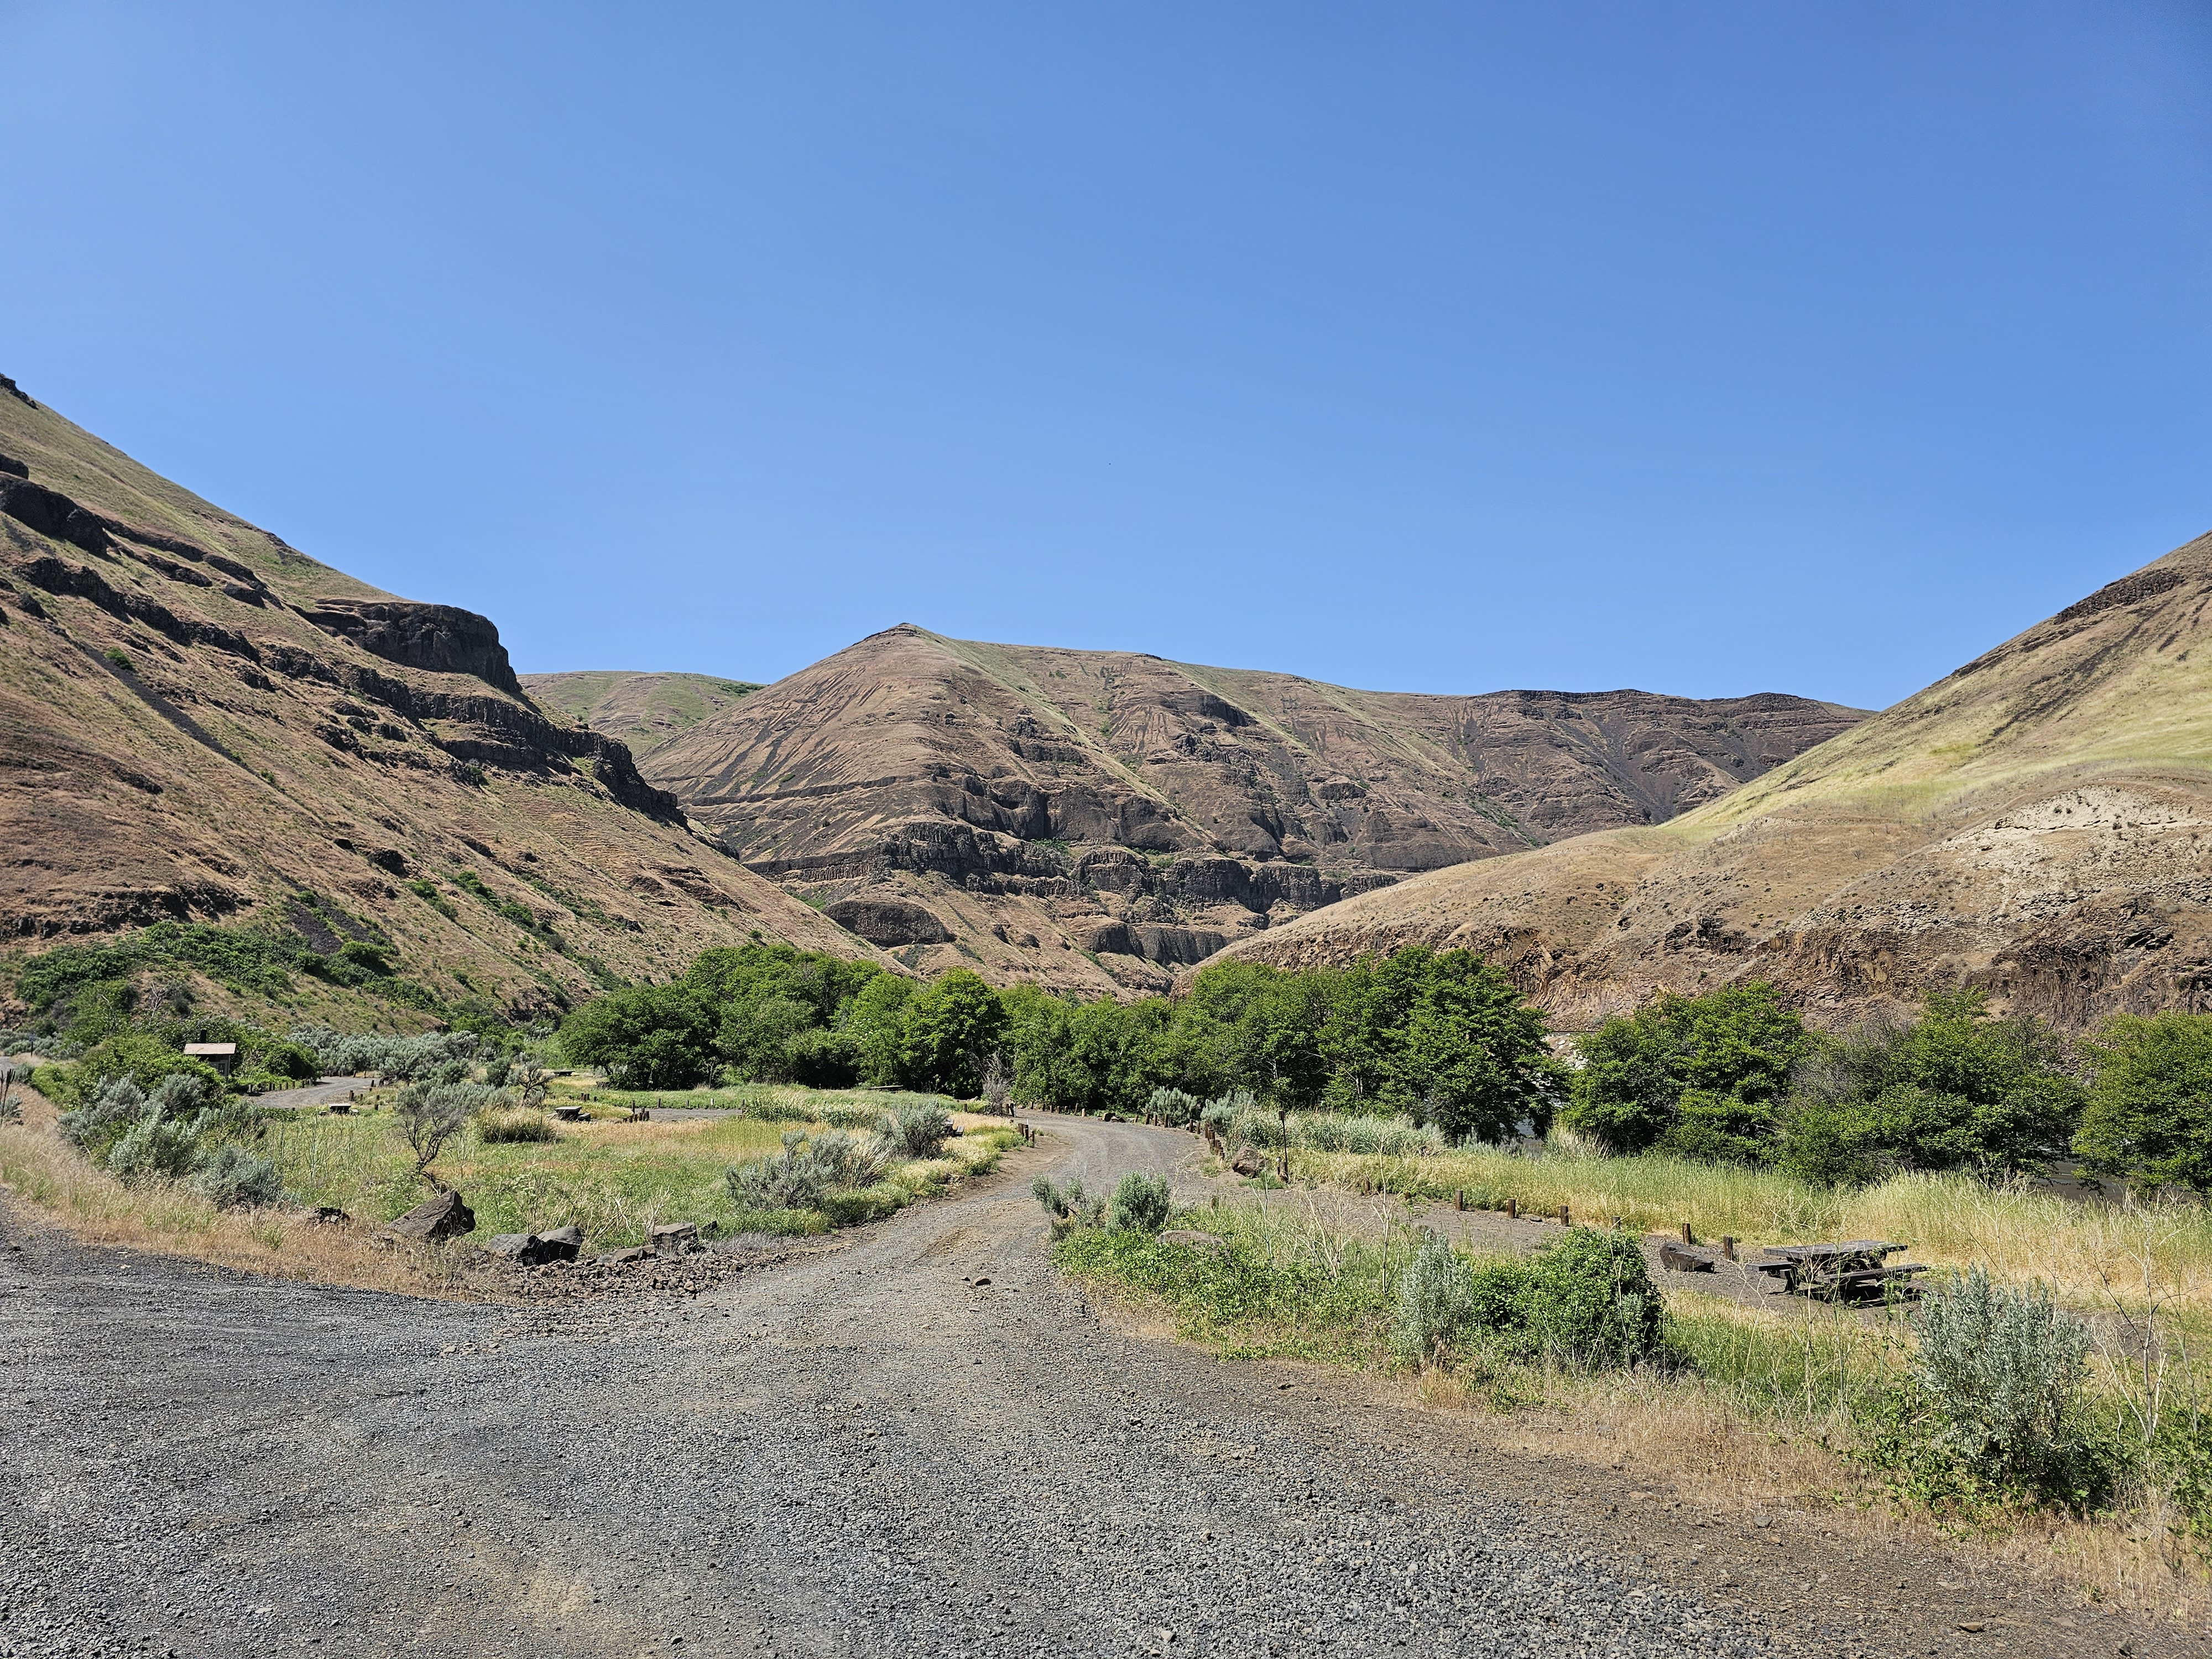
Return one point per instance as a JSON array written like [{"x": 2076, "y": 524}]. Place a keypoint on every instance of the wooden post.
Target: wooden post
[
  {"x": 1512, "y": 1209},
  {"x": 1563, "y": 1222},
  {"x": 1459, "y": 1199},
  {"x": 1686, "y": 1239},
  {"x": 1728, "y": 1246}
]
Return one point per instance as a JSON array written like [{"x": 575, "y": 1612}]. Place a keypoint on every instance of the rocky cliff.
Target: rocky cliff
[
  {"x": 1093, "y": 819},
  {"x": 197, "y": 721}
]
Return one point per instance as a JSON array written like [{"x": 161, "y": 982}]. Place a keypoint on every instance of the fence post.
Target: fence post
[
  {"x": 1459, "y": 1199},
  {"x": 1563, "y": 1222},
  {"x": 1512, "y": 1209},
  {"x": 1728, "y": 1246},
  {"x": 1686, "y": 1239}
]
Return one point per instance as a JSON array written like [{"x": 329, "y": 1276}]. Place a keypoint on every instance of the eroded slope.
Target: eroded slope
[
  {"x": 1094, "y": 819},
  {"x": 201, "y": 722},
  {"x": 2039, "y": 823}
]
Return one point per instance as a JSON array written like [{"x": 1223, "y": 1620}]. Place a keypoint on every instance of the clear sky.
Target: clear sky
[{"x": 1702, "y": 348}]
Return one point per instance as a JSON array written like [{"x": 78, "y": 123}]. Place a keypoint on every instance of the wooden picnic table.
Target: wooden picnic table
[{"x": 1835, "y": 1270}]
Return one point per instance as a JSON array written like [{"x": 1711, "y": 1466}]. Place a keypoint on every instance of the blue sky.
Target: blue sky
[{"x": 1707, "y": 349}]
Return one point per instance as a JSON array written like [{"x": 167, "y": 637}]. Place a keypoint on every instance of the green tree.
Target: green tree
[
  {"x": 948, "y": 1028},
  {"x": 873, "y": 1021},
  {"x": 2148, "y": 1119},
  {"x": 1951, "y": 1090},
  {"x": 644, "y": 1037},
  {"x": 1473, "y": 1060},
  {"x": 1696, "y": 1076}
]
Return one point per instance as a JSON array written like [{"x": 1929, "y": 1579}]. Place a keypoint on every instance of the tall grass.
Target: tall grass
[{"x": 2089, "y": 1253}]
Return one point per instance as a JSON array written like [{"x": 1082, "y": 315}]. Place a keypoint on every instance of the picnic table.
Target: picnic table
[{"x": 1835, "y": 1271}]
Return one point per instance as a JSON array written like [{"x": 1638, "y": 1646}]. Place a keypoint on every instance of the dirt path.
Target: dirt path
[{"x": 866, "y": 1450}]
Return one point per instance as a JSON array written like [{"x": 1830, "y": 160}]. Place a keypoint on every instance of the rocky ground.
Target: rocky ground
[{"x": 915, "y": 1439}]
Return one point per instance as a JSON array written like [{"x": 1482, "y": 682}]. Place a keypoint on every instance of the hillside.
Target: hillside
[
  {"x": 202, "y": 723},
  {"x": 644, "y": 710},
  {"x": 2039, "y": 823},
  {"x": 1093, "y": 819}
]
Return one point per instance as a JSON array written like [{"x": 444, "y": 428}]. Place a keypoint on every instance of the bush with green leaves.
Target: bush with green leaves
[
  {"x": 142, "y": 1058},
  {"x": 1696, "y": 1076},
  {"x": 2148, "y": 1119},
  {"x": 918, "y": 1131},
  {"x": 1587, "y": 1301},
  {"x": 1142, "y": 1204},
  {"x": 442, "y": 1056},
  {"x": 232, "y": 1177},
  {"x": 1069, "y": 1208},
  {"x": 2004, "y": 1367},
  {"x": 806, "y": 1172},
  {"x": 1951, "y": 1090},
  {"x": 1436, "y": 1303}
]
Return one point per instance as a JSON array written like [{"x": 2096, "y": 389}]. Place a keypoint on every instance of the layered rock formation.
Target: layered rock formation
[
  {"x": 1092, "y": 819},
  {"x": 2038, "y": 823},
  {"x": 199, "y": 722}
]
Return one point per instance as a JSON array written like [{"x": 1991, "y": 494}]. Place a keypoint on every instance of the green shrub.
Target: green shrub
[
  {"x": 804, "y": 1174},
  {"x": 157, "y": 1147},
  {"x": 1173, "y": 1107},
  {"x": 2150, "y": 1115},
  {"x": 916, "y": 1131},
  {"x": 822, "y": 1059},
  {"x": 232, "y": 1176},
  {"x": 1590, "y": 1300},
  {"x": 1142, "y": 1204},
  {"x": 1436, "y": 1303},
  {"x": 143, "y": 1059},
  {"x": 2004, "y": 1367}
]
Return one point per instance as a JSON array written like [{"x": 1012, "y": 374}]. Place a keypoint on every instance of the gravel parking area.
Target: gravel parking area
[{"x": 916, "y": 1441}]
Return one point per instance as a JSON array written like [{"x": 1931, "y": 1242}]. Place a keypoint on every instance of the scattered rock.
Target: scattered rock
[
  {"x": 327, "y": 1214},
  {"x": 623, "y": 1257},
  {"x": 1246, "y": 1162},
  {"x": 510, "y": 1246},
  {"x": 443, "y": 1217}
]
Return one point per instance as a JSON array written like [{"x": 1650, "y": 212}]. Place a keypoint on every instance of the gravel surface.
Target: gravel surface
[{"x": 914, "y": 1439}]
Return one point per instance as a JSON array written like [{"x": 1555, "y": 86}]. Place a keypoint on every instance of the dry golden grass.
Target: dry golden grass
[
  {"x": 60, "y": 1187},
  {"x": 2091, "y": 1255}
]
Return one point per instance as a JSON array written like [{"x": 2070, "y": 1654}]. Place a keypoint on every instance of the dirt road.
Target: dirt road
[{"x": 867, "y": 1450}]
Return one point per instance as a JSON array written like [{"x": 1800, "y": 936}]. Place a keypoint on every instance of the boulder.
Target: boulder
[
  {"x": 1246, "y": 1162},
  {"x": 443, "y": 1217},
  {"x": 675, "y": 1238},
  {"x": 620, "y": 1258},
  {"x": 535, "y": 1250}
]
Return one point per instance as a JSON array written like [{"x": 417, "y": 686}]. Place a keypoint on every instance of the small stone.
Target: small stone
[{"x": 1972, "y": 1626}]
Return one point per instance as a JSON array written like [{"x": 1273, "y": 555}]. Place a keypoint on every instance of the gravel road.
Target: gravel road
[{"x": 913, "y": 1440}]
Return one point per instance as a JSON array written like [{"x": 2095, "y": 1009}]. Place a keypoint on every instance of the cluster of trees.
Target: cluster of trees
[
  {"x": 1444, "y": 1037},
  {"x": 1736, "y": 1077}
]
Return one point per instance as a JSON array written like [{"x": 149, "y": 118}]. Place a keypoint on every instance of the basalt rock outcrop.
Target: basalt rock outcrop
[
  {"x": 1128, "y": 816},
  {"x": 199, "y": 722}
]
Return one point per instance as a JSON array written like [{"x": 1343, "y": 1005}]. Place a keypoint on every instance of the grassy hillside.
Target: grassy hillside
[
  {"x": 2039, "y": 823},
  {"x": 645, "y": 710}
]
